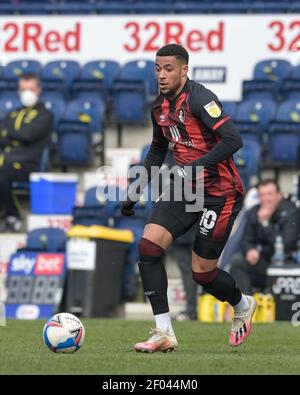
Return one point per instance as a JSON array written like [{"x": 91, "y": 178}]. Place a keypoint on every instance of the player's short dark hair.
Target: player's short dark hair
[
  {"x": 174, "y": 50},
  {"x": 30, "y": 76},
  {"x": 268, "y": 181}
]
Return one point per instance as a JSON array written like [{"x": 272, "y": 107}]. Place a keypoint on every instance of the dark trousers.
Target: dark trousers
[
  {"x": 183, "y": 257},
  {"x": 249, "y": 277},
  {"x": 8, "y": 174}
]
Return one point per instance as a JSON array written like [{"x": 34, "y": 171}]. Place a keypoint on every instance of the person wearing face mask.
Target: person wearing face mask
[
  {"x": 273, "y": 216},
  {"x": 24, "y": 133}
]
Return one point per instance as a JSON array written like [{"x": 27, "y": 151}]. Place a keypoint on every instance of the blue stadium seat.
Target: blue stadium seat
[
  {"x": 105, "y": 203},
  {"x": 13, "y": 71},
  {"x": 59, "y": 76},
  {"x": 132, "y": 93},
  {"x": 8, "y": 104},
  {"x": 249, "y": 156},
  {"x": 287, "y": 118},
  {"x": 230, "y": 108},
  {"x": 10, "y": 95},
  {"x": 52, "y": 95},
  {"x": 46, "y": 240},
  {"x": 86, "y": 111},
  {"x": 56, "y": 105},
  {"x": 255, "y": 115},
  {"x": 93, "y": 211},
  {"x": 268, "y": 77},
  {"x": 82, "y": 119},
  {"x": 289, "y": 111},
  {"x": 90, "y": 95},
  {"x": 284, "y": 149},
  {"x": 284, "y": 133},
  {"x": 291, "y": 85},
  {"x": 141, "y": 70},
  {"x": 129, "y": 103},
  {"x": 24, "y": 186},
  {"x": 261, "y": 94},
  {"x": 74, "y": 144},
  {"x": 272, "y": 70},
  {"x": 97, "y": 76}
]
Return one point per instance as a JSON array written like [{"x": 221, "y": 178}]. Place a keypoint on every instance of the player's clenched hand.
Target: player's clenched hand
[{"x": 127, "y": 208}]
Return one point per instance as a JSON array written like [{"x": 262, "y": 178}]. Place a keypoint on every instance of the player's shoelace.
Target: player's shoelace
[
  {"x": 157, "y": 335},
  {"x": 239, "y": 326}
]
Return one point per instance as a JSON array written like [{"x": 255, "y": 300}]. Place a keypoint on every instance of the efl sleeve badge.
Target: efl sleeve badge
[{"x": 213, "y": 109}]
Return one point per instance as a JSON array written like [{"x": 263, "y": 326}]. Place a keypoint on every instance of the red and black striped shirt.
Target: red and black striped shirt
[{"x": 190, "y": 125}]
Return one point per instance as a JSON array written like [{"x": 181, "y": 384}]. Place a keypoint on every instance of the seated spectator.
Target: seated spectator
[
  {"x": 273, "y": 216},
  {"x": 24, "y": 134}
]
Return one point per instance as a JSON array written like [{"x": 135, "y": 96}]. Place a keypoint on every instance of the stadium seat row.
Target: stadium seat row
[
  {"x": 145, "y": 7},
  {"x": 70, "y": 79},
  {"x": 273, "y": 78}
]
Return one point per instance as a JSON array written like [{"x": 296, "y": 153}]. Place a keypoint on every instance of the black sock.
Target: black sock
[
  {"x": 220, "y": 284},
  {"x": 155, "y": 282}
]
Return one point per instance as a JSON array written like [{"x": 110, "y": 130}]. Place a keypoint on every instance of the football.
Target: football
[{"x": 64, "y": 333}]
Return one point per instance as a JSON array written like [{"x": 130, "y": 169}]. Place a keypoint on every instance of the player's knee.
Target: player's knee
[
  {"x": 149, "y": 250},
  {"x": 205, "y": 278}
]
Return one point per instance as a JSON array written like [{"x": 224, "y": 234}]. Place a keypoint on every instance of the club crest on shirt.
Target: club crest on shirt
[
  {"x": 181, "y": 115},
  {"x": 213, "y": 109}
]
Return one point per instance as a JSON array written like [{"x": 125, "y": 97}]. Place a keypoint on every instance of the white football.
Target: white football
[{"x": 64, "y": 332}]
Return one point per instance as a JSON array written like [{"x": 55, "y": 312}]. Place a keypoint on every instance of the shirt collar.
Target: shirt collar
[{"x": 184, "y": 89}]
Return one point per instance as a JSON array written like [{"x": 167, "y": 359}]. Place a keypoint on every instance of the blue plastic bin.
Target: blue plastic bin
[{"x": 52, "y": 193}]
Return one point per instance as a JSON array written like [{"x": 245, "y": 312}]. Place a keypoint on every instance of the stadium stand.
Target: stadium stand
[
  {"x": 253, "y": 117},
  {"x": 8, "y": 104},
  {"x": 284, "y": 137},
  {"x": 116, "y": 7},
  {"x": 81, "y": 121},
  {"x": 291, "y": 85},
  {"x": 13, "y": 70},
  {"x": 97, "y": 77},
  {"x": 93, "y": 211},
  {"x": 24, "y": 186},
  {"x": 45, "y": 240},
  {"x": 59, "y": 75},
  {"x": 133, "y": 91},
  {"x": 268, "y": 78},
  {"x": 89, "y": 96},
  {"x": 130, "y": 105}
]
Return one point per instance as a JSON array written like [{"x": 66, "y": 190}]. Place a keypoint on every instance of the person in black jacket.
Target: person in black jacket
[
  {"x": 273, "y": 216},
  {"x": 24, "y": 134}
]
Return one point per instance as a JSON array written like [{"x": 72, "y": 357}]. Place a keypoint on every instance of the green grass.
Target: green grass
[{"x": 203, "y": 349}]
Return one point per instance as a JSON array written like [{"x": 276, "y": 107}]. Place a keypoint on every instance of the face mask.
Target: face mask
[{"x": 28, "y": 98}]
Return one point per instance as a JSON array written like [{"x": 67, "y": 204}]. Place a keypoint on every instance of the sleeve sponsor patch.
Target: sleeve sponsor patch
[{"x": 213, "y": 109}]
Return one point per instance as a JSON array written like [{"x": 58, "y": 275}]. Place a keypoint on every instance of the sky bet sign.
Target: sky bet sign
[{"x": 35, "y": 284}]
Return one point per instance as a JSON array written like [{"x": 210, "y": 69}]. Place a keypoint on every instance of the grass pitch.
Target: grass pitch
[{"x": 203, "y": 349}]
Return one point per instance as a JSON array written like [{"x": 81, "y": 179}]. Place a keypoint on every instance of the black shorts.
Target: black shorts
[{"x": 214, "y": 222}]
